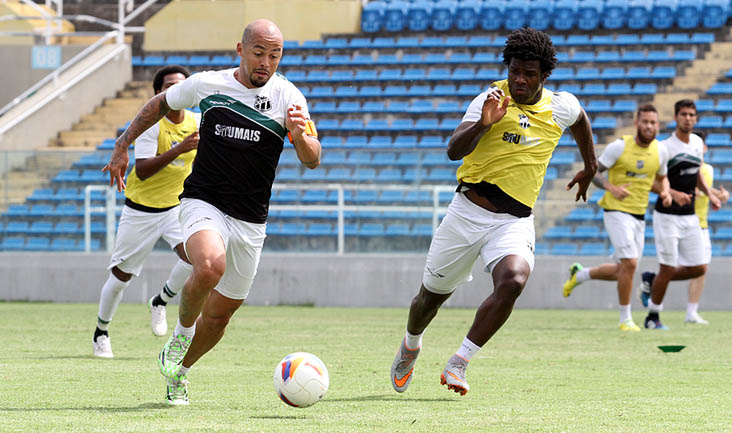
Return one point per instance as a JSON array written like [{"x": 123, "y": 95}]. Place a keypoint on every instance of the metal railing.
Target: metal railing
[{"x": 110, "y": 208}]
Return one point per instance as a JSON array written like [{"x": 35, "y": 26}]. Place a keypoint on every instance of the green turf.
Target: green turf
[{"x": 545, "y": 371}]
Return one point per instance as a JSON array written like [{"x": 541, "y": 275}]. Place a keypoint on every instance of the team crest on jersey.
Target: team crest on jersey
[
  {"x": 524, "y": 121},
  {"x": 639, "y": 164},
  {"x": 262, "y": 103}
]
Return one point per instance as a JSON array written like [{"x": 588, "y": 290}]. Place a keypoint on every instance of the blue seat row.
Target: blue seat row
[
  {"x": 708, "y": 122},
  {"x": 20, "y": 243},
  {"x": 444, "y": 15},
  {"x": 47, "y": 211},
  {"x": 49, "y": 228},
  {"x": 350, "y": 229},
  {"x": 379, "y": 175},
  {"x": 360, "y": 196}
]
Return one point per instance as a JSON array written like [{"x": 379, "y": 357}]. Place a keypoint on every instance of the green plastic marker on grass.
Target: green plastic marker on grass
[{"x": 671, "y": 348}]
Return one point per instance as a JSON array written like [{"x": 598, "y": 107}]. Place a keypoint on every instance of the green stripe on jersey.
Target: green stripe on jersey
[
  {"x": 683, "y": 157},
  {"x": 237, "y": 106}
]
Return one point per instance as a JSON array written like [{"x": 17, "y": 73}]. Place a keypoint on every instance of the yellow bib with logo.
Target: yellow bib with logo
[
  {"x": 637, "y": 167},
  {"x": 515, "y": 152},
  {"x": 701, "y": 202},
  {"x": 162, "y": 189}
]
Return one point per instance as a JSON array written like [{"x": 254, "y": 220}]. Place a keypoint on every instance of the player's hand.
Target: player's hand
[
  {"x": 493, "y": 108},
  {"x": 117, "y": 167},
  {"x": 295, "y": 122},
  {"x": 582, "y": 179},
  {"x": 189, "y": 143},
  {"x": 714, "y": 201},
  {"x": 723, "y": 195},
  {"x": 681, "y": 198},
  {"x": 620, "y": 191},
  {"x": 666, "y": 199}
]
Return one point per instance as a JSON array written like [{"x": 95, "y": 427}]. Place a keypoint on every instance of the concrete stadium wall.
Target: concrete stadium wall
[
  {"x": 377, "y": 280},
  {"x": 214, "y": 25},
  {"x": 62, "y": 112}
]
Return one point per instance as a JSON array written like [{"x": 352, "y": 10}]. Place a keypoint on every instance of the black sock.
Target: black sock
[
  {"x": 652, "y": 315},
  {"x": 158, "y": 301},
  {"x": 98, "y": 332}
]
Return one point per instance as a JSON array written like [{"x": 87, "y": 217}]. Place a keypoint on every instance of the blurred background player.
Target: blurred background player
[
  {"x": 247, "y": 111},
  {"x": 634, "y": 165},
  {"x": 505, "y": 140},
  {"x": 164, "y": 155},
  {"x": 701, "y": 208},
  {"x": 676, "y": 229}
]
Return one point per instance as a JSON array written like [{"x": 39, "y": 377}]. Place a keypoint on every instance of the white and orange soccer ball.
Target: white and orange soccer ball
[{"x": 301, "y": 379}]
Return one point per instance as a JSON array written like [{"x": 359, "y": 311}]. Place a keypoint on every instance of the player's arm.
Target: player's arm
[
  {"x": 150, "y": 114},
  {"x": 467, "y": 135},
  {"x": 722, "y": 194},
  {"x": 146, "y": 167},
  {"x": 663, "y": 189},
  {"x": 304, "y": 137},
  {"x": 582, "y": 133},
  {"x": 600, "y": 181},
  {"x": 706, "y": 189}
]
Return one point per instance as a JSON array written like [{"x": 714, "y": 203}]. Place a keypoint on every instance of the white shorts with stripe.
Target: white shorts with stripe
[
  {"x": 137, "y": 234},
  {"x": 626, "y": 234},
  {"x": 469, "y": 231},
  {"x": 707, "y": 242},
  {"x": 243, "y": 242},
  {"x": 679, "y": 240}
]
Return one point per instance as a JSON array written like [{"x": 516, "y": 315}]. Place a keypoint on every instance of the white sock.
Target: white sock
[
  {"x": 583, "y": 275},
  {"x": 178, "y": 276},
  {"x": 653, "y": 308},
  {"x": 183, "y": 370},
  {"x": 109, "y": 300},
  {"x": 692, "y": 310},
  {"x": 625, "y": 313},
  {"x": 413, "y": 341},
  {"x": 467, "y": 349},
  {"x": 182, "y": 330}
]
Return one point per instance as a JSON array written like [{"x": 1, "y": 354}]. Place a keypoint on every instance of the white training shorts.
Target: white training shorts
[
  {"x": 679, "y": 240},
  {"x": 469, "y": 231},
  {"x": 626, "y": 233},
  {"x": 707, "y": 242},
  {"x": 243, "y": 242},
  {"x": 137, "y": 234}
]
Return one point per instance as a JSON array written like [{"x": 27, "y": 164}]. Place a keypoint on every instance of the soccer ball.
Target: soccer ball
[{"x": 301, "y": 379}]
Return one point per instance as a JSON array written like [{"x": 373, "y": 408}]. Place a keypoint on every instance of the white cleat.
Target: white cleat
[
  {"x": 158, "y": 320},
  {"x": 696, "y": 319},
  {"x": 177, "y": 391},
  {"x": 103, "y": 347}
]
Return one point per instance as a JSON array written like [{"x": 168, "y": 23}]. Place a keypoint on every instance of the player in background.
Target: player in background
[
  {"x": 164, "y": 155},
  {"x": 677, "y": 233},
  {"x": 635, "y": 165},
  {"x": 701, "y": 208},
  {"x": 505, "y": 140},
  {"x": 247, "y": 112}
]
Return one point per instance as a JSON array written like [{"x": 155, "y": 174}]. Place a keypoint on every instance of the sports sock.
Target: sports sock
[
  {"x": 467, "y": 349},
  {"x": 183, "y": 370},
  {"x": 583, "y": 275},
  {"x": 653, "y": 308},
  {"x": 692, "y": 310},
  {"x": 109, "y": 300},
  {"x": 178, "y": 276},
  {"x": 625, "y": 313},
  {"x": 413, "y": 341},
  {"x": 98, "y": 332},
  {"x": 182, "y": 330}
]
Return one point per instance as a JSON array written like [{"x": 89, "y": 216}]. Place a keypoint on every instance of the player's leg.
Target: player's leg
[
  {"x": 210, "y": 326},
  {"x": 696, "y": 287},
  {"x": 626, "y": 271},
  {"x": 695, "y": 253},
  {"x": 667, "y": 232},
  {"x": 109, "y": 300}
]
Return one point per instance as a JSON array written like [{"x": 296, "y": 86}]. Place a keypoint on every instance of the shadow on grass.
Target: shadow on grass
[
  {"x": 121, "y": 409},
  {"x": 279, "y": 417},
  {"x": 89, "y": 357},
  {"x": 385, "y": 397}
]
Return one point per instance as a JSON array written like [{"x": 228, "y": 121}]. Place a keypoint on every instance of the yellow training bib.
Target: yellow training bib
[{"x": 701, "y": 202}]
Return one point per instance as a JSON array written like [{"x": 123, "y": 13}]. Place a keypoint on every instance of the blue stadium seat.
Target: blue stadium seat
[
  {"x": 644, "y": 89},
  {"x": 491, "y": 15},
  {"x": 663, "y": 72},
  {"x": 137, "y": 61},
  {"x": 405, "y": 141},
  {"x": 703, "y": 38},
  {"x": 13, "y": 243},
  {"x": 587, "y": 74},
  {"x": 377, "y": 125},
  {"x": 395, "y": 16},
  {"x": 624, "y": 106},
  {"x": 715, "y": 13},
  {"x": 37, "y": 244},
  {"x": 418, "y": 15},
  {"x": 515, "y": 14},
  {"x": 586, "y": 232},
  {"x": 64, "y": 244},
  {"x": 398, "y": 229},
  {"x": 443, "y": 14},
  {"x": 540, "y": 14},
  {"x": 287, "y": 60},
  {"x": 466, "y": 14},
  {"x": 371, "y": 229},
  {"x": 17, "y": 228},
  {"x": 592, "y": 249},
  {"x": 564, "y": 249},
  {"x": 372, "y": 16},
  {"x": 581, "y": 214},
  {"x": 565, "y": 14},
  {"x": 604, "y": 123},
  {"x": 153, "y": 61},
  {"x": 638, "y": 12},
  {"x": 718, "y": 140},
  {"x": 383, "y": 158},
  {"x": 663, "y": 14},
  {"x": 613, "y": 74},
  {"x": 359, "y": 42},
  {"x": 340, "y": 60},
  {"x": 588, "y": 14},
  {"x": 199, "y": 61},
  {"x": 649, "y": 250},
  {"x": 613, "y": 14},
  {"x": 638, "y": 72},
  {"x": 559, "y": 232},
  {"x": 41, "y": 228}
]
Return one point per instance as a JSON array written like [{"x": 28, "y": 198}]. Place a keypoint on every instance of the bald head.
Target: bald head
[{"x": 261, "y": 29}]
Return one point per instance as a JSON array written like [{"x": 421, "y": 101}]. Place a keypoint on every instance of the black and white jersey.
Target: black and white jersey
[
  {"x": 242, "y": 134},
  {"x": 684, "y": 161}
]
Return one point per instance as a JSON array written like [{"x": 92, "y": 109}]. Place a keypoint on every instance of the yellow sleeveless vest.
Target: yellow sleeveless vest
[
  {"x": 637, "y": 166},
  {"x": 701, "y": 202},
  {"x": 515, "y": 152},
  {"x": 161, "y": 190}
]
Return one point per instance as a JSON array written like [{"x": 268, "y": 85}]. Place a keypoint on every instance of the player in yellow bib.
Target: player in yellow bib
[
  {"x": 701, "y": 208},
  {"x": 505, "y": 140},
  {"x": 164, "y": 156},
  {"x": 634, "y": 165}
]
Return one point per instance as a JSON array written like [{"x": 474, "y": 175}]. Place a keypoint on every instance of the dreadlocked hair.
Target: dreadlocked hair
[{"x": 530, "y": 44}]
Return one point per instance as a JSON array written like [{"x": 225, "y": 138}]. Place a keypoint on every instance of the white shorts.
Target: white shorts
[
  {"x": 707, "y": 242},
  {"x": 469, "y": 231},
  {"x": 679, "y": 240},
  {"x": 243, "y": 242},
  {"x": 137, "y": 234},
  {"x": 626, "y": 233}
]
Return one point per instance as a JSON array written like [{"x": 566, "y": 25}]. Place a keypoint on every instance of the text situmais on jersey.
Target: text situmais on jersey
[
  {"x": 161, "y": 190},
  {"x": 515, "y": 152},
  {"x": 242, "y": 136}
]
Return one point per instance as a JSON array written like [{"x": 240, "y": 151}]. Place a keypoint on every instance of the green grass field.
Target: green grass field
[{"x": 545, "y": 371}]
